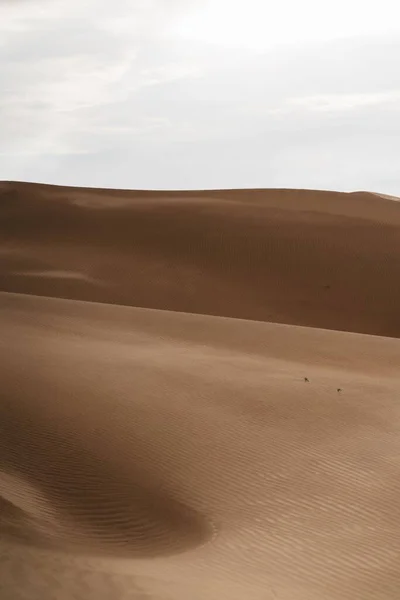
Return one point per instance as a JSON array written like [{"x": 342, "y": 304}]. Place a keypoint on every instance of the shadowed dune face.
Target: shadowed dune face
[
  {"x": 320, "y": 259},
  {"x": 59, "y": 488},
  {"x": 56, "y": 492}
]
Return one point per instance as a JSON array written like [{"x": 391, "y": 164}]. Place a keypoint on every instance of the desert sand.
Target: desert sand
[{"x": 200, "y": 395}]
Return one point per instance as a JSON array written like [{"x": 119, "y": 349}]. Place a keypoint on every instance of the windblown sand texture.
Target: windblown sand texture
[{"x": 200, "y": 395}]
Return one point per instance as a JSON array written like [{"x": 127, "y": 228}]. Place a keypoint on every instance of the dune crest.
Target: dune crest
[{"x": 319, "y": 259}]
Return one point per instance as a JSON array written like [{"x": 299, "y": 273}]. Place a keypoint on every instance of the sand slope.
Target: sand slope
[
  {"x": 192, "y": 449},
  {"x": 162, "y": 455},
  {"x": 320, "y": 259}
]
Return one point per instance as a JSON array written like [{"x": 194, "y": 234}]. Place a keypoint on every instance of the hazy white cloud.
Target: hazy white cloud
[
  {"x": 259, "y": 24},
  {"x": 340, "y": 102},
  {"x": 180, "y": 93}
]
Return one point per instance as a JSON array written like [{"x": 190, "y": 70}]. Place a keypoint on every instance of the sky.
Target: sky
[{"x": 201, "y": 94}]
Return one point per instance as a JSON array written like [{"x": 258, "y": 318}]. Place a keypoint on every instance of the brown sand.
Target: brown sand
[
  {"x": 319, "y": 259},
  {"x": 158, "y": 455}
]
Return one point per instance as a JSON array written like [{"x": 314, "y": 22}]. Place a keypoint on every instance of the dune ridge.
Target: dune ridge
[
  {"x": 212, "y": 416},
  {"x": 320, "y": 259}
]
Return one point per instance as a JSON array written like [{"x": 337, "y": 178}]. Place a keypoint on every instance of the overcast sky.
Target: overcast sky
[{"x": 201, "y": 94}]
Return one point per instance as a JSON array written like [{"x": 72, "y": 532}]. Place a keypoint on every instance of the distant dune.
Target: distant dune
[
  {"x": 319, "y": 259},
  {"x": 242, "y": 441}
]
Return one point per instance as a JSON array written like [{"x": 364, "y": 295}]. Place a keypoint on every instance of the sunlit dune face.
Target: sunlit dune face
[{"x": 257, "y": 24}]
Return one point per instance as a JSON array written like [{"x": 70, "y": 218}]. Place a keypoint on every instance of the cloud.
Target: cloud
[
  {"x": 261, "y": 25},
  {"x": 62, "y": 59},
  {"x": 330, "y": 103},
  {"x": 106, "y": 94}
]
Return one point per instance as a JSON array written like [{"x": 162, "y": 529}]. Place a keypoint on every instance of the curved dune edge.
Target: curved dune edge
[
  {"x": 300, "y": 480},
  {"x": 319, "y": 259}
]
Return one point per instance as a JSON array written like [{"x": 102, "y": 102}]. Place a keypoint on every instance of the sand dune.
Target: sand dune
[
  {"x": 204, "y": 454},
  {"x": 193, "y": 448},
  {"x": 320, "y": 259}
]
